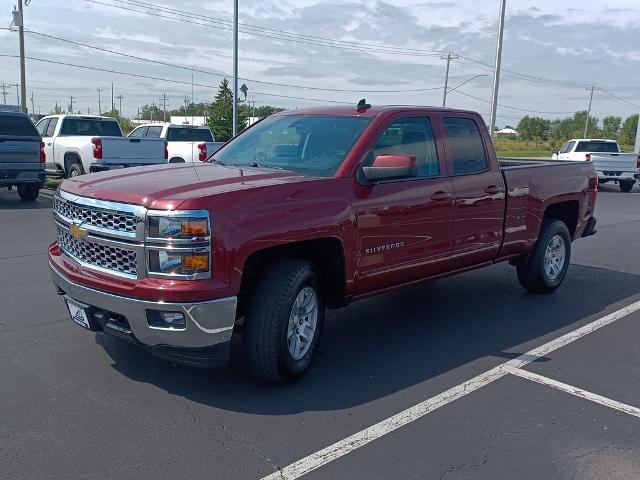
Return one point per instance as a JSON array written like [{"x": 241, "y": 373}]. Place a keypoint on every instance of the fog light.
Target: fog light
[
  {"x": 166, "y": 320},
  {"x": 174, "y": 319}
]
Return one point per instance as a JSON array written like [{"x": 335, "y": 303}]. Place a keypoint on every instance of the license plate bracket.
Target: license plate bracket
[{"x": 79, "y": 313}]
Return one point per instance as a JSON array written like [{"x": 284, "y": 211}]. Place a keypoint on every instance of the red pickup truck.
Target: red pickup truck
[{"x": 306, "y": 210}]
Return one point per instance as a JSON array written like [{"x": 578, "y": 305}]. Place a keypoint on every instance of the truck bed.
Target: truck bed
[{"x": 530, "y": 185}]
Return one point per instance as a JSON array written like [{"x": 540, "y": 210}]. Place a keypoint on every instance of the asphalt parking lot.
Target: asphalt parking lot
[{"x": 77, "y": 405}]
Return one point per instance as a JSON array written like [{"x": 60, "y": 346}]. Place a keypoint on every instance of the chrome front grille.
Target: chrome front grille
[
  {"x": 109, "y": 257},
  {"x": 97, "y": 217}
]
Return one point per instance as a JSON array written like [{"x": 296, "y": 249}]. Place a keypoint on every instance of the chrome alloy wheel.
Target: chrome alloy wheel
[
  {"x": 303, "y": 322},
  {"x": 554, "y": 257}
]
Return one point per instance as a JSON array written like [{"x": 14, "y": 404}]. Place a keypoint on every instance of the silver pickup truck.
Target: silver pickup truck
[{"x": 21, "y": 155}]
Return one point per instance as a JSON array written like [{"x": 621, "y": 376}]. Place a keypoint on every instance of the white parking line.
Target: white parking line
[
  {"x": 593, "y": 397},
  {"x": 360, "y": 439}
]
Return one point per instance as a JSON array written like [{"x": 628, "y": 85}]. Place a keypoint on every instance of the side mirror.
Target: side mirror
[
  {"x": 555, "y": 152},
  {"x": 387, "y": 167}
]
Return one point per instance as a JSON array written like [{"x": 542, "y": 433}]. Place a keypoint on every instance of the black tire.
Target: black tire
[
  {"x": 28, "y": 192},
  {"x": 74, "y": 170},
  {"x": 627, "y": 186},
  {"x": 176, "y": 160},
  {"x": 532, "y": 274},
  {"x": 267, "y": 319}
]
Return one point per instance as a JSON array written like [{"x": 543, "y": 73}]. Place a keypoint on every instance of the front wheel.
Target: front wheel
[
  {"x": 28, "y": 192},
  {"x": 283, "y": 321},
  {"x": 545, "y": 269},
  {"x": 75, "y": 170},
  {"x": 626, "y": 186}
]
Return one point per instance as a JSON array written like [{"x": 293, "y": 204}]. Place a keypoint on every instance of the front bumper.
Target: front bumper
[{"x": 204, "y": 341}]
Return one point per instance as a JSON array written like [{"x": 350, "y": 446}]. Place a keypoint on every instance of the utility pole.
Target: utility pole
[
  {"x": 18, "y": 94},
  {"x": 586, "y": 123},
  {"x": 33, "y": 108},
  {"x": 235, "y": 67},
  {"x": 164, "y": 107},
  {"x": 496, "y": 73},
  {"x": 153, "y": 109},
  {"x": 88, "y": 110},
  {"x": 23, "y": 80},
  {"x": 99, "y": 102},
  {"x": 71, "y": 104},
  {"x": 4, "y": 94},
  {"x": 113, "y": 105},
  {"x": 448, "y": 58},
  {"x": 120, "y": 97}
]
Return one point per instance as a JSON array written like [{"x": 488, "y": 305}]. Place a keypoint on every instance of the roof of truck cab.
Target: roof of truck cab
[{"x": 375, "y": 110}]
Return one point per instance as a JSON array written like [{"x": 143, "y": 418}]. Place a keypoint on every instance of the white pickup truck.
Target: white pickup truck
[
  {"x": 185, "y": 143},
  {"x": 76, "y": 144},
  {"x": 610, "y": 163}
]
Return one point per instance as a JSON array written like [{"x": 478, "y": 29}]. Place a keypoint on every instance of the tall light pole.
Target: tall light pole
[
  {"x": 235, "y": 67},
  {"x": 120, "y": 97},
  {"x": 23, "y": 80},
  {"x": 448, "y": 58},
  {"x": 586, "y": 122},
  {"x": 99, "y": 101},
  {"x": 496, "y": 73}
]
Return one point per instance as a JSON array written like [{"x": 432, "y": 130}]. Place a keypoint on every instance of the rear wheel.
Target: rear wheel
[
  {"x": 176, "y": 160},
  {"x": 75, "y": 170},
  {"x": 626, "y": 186},
  {"x": 28, "y": 192},
  {"x": 283, "y": 321},
  {"x": 545, "y": 269}
]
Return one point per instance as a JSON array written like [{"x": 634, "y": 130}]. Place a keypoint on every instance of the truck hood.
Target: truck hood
[{"x": 166, "y": 187}]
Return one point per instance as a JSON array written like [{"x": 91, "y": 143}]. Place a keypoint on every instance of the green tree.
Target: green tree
[
  {"x": 57, "y": 110},
  {"x": 221, "y": 114},
  {"x": 578, "y": 121},
  {"x": 125, "y": 124},
  {"x": 533, "y": 128},
  {"x": 611, "y": 126},
  {"x": 629, "y": 130}
]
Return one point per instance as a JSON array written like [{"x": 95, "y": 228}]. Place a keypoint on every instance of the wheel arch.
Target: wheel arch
[
  {"x": 567, "y": 212},
  {"x": 326, "y": 254}
]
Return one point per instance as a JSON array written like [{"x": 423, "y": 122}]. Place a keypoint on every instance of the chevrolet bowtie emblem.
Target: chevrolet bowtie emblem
[{"x": 77, "y": 231}]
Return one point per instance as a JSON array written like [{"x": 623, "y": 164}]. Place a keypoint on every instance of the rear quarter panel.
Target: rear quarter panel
[{"x": 531, "y": 190}]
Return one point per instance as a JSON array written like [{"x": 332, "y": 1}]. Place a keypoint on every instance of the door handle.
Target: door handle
[
  {"x": 492, "y": 190},
  {"x": 440, "y": 196},
  {"x": 49, "y": 143}
]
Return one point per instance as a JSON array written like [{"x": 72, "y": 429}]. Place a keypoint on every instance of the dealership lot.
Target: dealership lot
[{"x": 77, "y": 405}]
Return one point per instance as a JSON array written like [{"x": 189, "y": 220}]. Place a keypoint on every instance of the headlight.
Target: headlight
[
  {"x": 170, "y": 262},
  {"x": 178, "y": 244},
  {"x": 178, "y": 227}
]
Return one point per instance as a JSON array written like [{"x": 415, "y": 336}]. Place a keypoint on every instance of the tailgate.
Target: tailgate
[
  {"x": 618, "y": 162},
  {"x": 22, "y": 151},
  {"x": 146, "y": 151}
]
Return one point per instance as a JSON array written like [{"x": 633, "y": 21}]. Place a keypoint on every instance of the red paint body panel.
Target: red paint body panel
[{"x": 391, "y": 233}]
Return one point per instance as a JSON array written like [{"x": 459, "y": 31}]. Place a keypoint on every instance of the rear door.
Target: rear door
[
  {"x": 19, "y": 142},
  {"x": 479, "y": 193},
  {"x": 404, "y": 226},
  {"x": 564, "y": 152}
]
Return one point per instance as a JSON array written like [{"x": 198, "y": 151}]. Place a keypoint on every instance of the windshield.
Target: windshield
[
  {"x": 314, "y": 145},
  {"x": 186, "y": 134}
]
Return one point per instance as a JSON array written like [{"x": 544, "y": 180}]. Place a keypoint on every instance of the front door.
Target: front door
[
  {"x": 479, "y": 193},
  {"x": 404, "y": 226}
]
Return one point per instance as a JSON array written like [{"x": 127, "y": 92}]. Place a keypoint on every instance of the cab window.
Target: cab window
[
  {"x": 410, "y": 136},
  {"x": 138, "y": 132},
  {"x": 465, "y": 145}
]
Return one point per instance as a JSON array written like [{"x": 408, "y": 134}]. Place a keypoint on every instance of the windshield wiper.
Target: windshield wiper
[{"x": 265, "y": 165}]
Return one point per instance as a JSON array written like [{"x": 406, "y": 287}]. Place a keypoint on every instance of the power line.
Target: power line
[
  {"x": 510, "y": 107},
  {"x": 208, "y": 72},
  {"x": 198, "y": 19},
  {"x": 616, "y": 98}
]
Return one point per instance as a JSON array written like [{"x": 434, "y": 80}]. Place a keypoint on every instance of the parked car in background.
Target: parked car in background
[
  {"x": 185, "y": 143},
  {"x": 306, "y": 210},
  {"x": 611, "y": 164},
  {"x": 22, "y": 155},
  {"x": 76, "y": 144}
]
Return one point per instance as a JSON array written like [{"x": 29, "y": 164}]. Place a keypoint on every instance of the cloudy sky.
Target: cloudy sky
[{"x": 388, "y": 52}]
